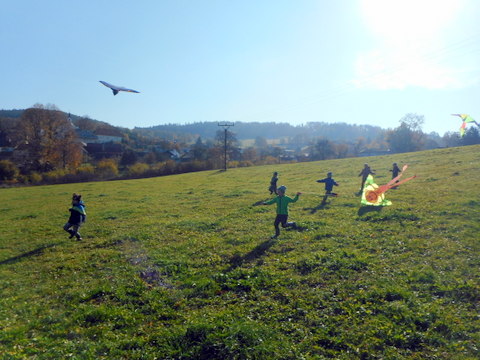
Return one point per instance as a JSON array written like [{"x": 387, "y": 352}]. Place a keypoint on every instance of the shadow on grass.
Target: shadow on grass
[
  {"x": 367, "y": 209},
  {"x": 260, "y": 202},
  {"x": 321, "y": 206},
  {"x": 37, "y": 251},
  {"x": 221, "y": 171},
  {"x": 257, "y": 252}
]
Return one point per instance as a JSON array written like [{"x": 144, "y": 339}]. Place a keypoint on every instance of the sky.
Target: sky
[{"x": 296, "y": 61}]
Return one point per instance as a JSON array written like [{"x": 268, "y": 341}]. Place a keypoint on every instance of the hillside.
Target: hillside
[
  {"x": 183, "y": 267},
  {"x": 244, "y": 130}
]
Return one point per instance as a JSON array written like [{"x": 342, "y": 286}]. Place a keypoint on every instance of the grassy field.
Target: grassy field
[{"x": 183, "y": 267}]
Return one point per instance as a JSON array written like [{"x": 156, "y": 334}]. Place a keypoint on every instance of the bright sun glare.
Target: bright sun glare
[
  {"x": 411, "y": 47},
  {"x": 409, "y": 20}
]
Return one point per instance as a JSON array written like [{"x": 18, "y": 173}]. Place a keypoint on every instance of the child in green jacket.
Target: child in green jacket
[{"x": 282, "y": 202}]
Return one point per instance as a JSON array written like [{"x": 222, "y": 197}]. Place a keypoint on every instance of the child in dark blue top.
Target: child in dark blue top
[
  {"x": 78, "y": 216},
  {"x": 273, "y": 184},
  {"x": 329, "y": 183}
]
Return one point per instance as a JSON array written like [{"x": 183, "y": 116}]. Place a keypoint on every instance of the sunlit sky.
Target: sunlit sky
[{"x": 355, "y": 61}]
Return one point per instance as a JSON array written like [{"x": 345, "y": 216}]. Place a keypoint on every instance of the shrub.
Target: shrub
[
  {"x": 245, "y": 163},
  {"x": 86, "y": 172},
  {"x": 55, "y": 176},
  {"x": 137, "y": 169},
  {"x": 35, "y": 178},
  {"x": 8, "y": 170},
  {"x": 107, "y": 168}
]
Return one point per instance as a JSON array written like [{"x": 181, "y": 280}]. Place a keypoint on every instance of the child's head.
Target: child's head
[
  {"x": 275, "y": 173},
  {"x": 329, "y": 174},
  {"x": 76, "y": 198},
  {"x": 281, "y": 190}
]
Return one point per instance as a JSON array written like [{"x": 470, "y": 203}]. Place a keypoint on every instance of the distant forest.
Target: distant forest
[{"x": 269, "y": 130}]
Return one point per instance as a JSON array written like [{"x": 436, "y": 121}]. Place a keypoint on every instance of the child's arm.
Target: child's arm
[
  {"x": 296, "y": 196},
  {"x": 270, "y": 202}
]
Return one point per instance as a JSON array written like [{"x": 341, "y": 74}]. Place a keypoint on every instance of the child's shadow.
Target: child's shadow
[
  {"x": 370, "y": 208},
  {"x": 258, "y": 203},
  {"x": 319, "y": 206},
  {"x": 257, "y": 252},
  {"x": 37, "y": 251}
]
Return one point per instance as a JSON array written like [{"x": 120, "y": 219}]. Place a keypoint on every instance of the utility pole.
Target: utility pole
[{"x": 226, "y": 126}]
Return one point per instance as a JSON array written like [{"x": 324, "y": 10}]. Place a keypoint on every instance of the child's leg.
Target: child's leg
[
  {"x": 277, "y": 222},
  {"x": 67, "y": 227},
  {"x": 75, "y": 232},
  {"x": 286, "y": 224},
  {"x": 363, "y": 183}
]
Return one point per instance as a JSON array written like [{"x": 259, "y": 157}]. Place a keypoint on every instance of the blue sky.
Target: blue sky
[{"x": 355, "y": 61}]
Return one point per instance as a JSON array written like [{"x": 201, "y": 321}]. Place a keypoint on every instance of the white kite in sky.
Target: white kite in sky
[{"x": 116, "y": 89}]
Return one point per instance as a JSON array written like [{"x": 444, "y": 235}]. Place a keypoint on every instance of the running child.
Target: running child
[
  {"x": 282, "y": 202},
  {"x": 78, "y": 215},
  {"x": 364, "y": 174},
  {"x": 329, "y": 184},
  {"x": 273, "y": 183}
]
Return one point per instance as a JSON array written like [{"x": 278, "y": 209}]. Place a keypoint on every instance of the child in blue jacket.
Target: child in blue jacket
[
  {"x": 78, "y": 215},
  {"x": 329, "y": 184}
]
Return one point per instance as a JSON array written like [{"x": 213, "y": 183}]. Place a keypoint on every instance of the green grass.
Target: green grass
[{"x": 182, "y": 267}]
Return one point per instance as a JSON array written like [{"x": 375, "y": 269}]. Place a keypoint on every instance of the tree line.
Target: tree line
[{"x": 48, "y": 148}]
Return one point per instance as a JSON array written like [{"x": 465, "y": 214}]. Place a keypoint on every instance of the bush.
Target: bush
[
  {"x": 246, "y": 163},
  {"x": 34, "y": 178},
  {"x": 54, "y": 177},
  {"x": 138, "y": 169},
  {"x": 86, "y": 172},
  {"x": 8, "y": 170},
  {"x": 107, "y": 168}
]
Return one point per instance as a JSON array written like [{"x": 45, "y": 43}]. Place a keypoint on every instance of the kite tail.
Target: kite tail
[
  {"x": 391, "y": 182},
  {"x": 404, "y": 181}
]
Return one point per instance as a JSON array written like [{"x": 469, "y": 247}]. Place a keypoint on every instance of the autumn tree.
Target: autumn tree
[{"x": 47, "y": 139}]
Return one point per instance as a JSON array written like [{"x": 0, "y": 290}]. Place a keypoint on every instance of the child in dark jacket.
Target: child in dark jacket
[
  {"x": 395, "y": 171},
  {"x": 273, "y": 183},
  {"x": 364, "y": 174},
  {"x": 282, "y": 202},
  {"x": 78, "y": 216},
  {"x": 329, "y": 183}
]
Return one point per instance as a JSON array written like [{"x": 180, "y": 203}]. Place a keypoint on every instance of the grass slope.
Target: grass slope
[{"x": 182, "y": 267}]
